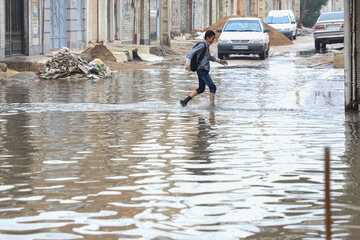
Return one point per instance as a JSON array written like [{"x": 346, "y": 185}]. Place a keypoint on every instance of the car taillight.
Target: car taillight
[
  {"x": 318, "y": 27},
  {"x": 342, "y": 25}
]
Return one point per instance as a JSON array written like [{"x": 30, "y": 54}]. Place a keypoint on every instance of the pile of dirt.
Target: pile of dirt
[
  {"x": 276, "y": 37},
  {"x": 101, "y": 52}
]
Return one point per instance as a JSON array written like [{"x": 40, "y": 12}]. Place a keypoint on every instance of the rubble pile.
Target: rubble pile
[{"x": 65, "y": 64}]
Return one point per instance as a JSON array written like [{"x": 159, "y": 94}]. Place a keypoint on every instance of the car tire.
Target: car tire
[
  {"x": 295, "y": 35},
  {"x": 291, "y": 37},
  {"x": 221, "y": 56},
  {"x": 323, "y": 46},
  {"x": 317, "y": 45},
  {"x": 262, "y": 55}
]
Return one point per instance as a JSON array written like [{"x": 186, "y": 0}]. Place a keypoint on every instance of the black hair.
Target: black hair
[{"x": 209, "y": 33}]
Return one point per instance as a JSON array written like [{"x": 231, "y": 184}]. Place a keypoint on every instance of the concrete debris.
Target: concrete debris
[
  {"x": 65, "y": 64},
  {"x": 183, "y": 37},
  {"x": 199, "y": 35},
  {"x": 149, "y": 57},
  {"x": 3, "y": 67}
]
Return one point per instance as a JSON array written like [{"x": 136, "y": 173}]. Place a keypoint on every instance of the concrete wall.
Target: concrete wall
[
  {"x": 35, "y": 27},
  {"x": 46, "y": 35},
  {"x": 128, "y": 27},
  {"x": 153, "y": 20},
  {"x": 145, "y": 23},
  {"x": 2, "y": 28}
]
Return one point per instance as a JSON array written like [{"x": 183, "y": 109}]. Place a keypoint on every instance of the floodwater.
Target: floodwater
[{"x": 121, "y": 159}]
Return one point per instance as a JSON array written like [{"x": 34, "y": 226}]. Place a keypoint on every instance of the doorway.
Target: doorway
[{"x": 14, "y": 27}]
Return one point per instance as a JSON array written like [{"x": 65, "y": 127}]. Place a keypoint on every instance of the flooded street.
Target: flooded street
[{"x": 121, "y": 159}]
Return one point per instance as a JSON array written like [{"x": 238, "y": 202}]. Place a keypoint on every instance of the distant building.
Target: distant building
[{"x": 333, "y": 6}]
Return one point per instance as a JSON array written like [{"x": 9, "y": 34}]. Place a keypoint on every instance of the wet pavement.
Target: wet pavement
[{"x": 121, "y": 159}]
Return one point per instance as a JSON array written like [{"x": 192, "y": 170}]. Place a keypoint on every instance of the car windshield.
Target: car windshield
[
  {"x": 277, "y": 20},
  {"x": 331, "y": 16},
  {"x": 243, "y": 26}
]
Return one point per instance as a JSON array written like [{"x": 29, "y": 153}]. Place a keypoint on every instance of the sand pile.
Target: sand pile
[
  {"x": 101, "y": 52},
  {"x": 276, "y": 37}
]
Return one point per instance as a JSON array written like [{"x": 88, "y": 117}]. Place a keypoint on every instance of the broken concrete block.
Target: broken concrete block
[
  {"x": 3, "y": 67},
  {"x": 120, "y": 56},
  {"x": 83, "y": 69},
  {"x": 149, "y": 57},
  {"x": 339, "y": 60}
]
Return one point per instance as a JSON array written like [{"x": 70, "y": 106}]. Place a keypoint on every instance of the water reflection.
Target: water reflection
[{"x": 119, "y": 158}]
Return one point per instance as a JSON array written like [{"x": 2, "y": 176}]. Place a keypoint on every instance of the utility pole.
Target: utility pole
[
  {"x": 348, "y": 60},
  {"x": 165, "y": 23}
]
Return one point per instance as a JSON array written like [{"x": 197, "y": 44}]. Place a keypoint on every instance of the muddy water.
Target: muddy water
[{"x": 120, "y": 159}]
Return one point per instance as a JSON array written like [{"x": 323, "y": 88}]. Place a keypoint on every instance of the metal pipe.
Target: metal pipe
[
  {"x": 327, "y": 194},
  {"x": 348, "y": 82},
  {"x": 42, "y": 26}
]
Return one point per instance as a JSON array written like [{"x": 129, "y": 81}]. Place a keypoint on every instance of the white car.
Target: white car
[
  {"x": 329, "y": 28},
  {"x": 244, "y": 36},
  {"x": 283, "y": 21}
]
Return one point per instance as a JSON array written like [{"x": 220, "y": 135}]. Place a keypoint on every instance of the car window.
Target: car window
[
  {"x": 277, "y": 19},
  {"x": 331, "y": 16},
  {"x": 242, "y": 26}
]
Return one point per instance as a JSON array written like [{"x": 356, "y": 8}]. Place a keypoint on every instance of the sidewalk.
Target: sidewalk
[{"x": 145, "y": 55}]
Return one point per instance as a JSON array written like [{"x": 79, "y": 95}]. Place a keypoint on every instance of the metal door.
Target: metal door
[
  {"x": 58, "y": 21},
  {"x": 14, "y": 30}
]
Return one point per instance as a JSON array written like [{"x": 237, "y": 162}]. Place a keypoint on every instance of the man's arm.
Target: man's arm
[{"x": 218, "y": 60}]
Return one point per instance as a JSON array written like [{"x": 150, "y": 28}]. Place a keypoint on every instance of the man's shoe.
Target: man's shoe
[{"x": 183, "y": 103}]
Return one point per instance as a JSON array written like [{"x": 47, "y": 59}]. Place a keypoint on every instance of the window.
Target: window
[
  {"x": 243, "y": 26},
  {"x": 278, "y": 20}
]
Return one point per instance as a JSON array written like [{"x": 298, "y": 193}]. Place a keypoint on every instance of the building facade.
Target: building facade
[
  {"x": 31, "y": 27},
  {"x": 127, "y": 21}
]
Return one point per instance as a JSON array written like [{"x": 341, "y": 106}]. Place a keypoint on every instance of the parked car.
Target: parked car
[
  {"x": 329, "y": 28},
  {"x": 284, "y": 21},
  {"x": 244, "y": 36}
]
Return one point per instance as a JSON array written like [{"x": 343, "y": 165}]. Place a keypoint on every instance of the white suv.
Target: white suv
[
  {"x": 244, "y": 36},
  {"x": 283, "y": 21}
]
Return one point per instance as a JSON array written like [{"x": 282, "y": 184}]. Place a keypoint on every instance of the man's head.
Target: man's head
[{"x": 209, "y": 36}]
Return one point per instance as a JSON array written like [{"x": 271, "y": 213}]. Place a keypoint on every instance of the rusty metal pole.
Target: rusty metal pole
[{"x": 327, "y": 194}]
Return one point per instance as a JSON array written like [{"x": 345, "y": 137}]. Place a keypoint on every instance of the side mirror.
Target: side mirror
[
  {"x": 293, "y": 22},
  {"x": 219, "y": 31},
  {"x": 266, "y": 30}
]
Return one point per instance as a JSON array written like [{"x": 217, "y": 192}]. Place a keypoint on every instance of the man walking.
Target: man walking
[{"x": 203, "y": 68}]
